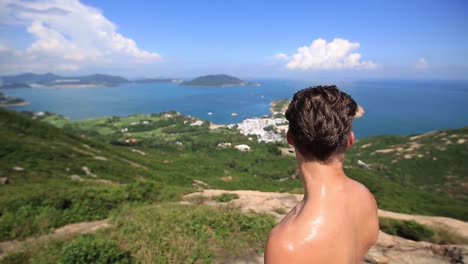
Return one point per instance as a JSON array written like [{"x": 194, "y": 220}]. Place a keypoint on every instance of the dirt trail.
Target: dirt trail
[
  {"x": 12, "y": 246},
  {"x": 388, "y": 249}
]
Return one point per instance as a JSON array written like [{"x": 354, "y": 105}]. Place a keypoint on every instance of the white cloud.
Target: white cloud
[
  {"x": 68, "y": 35},
  {"x": 281, "y": 56},
  {"x": 320, "y": 55},
  {"x": 421, "y": 64}
]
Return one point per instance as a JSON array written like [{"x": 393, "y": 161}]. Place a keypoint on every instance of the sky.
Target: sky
[{"x": 250, "y": 39}]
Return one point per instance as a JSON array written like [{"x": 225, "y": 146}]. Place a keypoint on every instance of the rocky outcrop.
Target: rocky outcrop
[
  {"x": 4, "y": 180},
  {"x": 388, "y": 249},
  {"x": 392, "y": 250}
]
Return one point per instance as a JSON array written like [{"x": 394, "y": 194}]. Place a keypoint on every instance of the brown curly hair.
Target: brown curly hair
[{"x": 320, "y": 120}]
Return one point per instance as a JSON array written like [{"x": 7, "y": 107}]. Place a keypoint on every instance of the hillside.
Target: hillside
[
  {"x": 173, "y": 134},
  {"x": 218, "y": 80},
  {"x": 86, "y": 170},
  {"x": 433, "y": 162},
  {"x": 51, "y": 177}
]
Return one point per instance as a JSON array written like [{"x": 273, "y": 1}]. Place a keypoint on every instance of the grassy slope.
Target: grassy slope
[
  {"x": 433, "y": 165},
  {"x": 433, "y": 162},
  {"x": 399, "y": 184},
  {"x": 43, "y": 196},
  {"x": 176, "y": 154}
]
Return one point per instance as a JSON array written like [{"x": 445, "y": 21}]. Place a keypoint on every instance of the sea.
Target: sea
[{"x": 402, "y": 107}]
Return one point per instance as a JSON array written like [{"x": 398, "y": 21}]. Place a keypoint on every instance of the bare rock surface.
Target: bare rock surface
[{"x": 388, "y": 249}]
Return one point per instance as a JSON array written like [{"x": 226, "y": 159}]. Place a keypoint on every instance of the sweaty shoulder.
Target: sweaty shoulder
[
  {"x": 277, "y": 250},
  {"x": 368, "y": 210},
  {"x": 363, "y": 195}
]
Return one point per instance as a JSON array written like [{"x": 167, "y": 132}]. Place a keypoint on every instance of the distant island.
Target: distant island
[
  {"x": 218, "y": 80},
  {"x": 50, "y": 80},
  {"x": 6, "y": 100}
]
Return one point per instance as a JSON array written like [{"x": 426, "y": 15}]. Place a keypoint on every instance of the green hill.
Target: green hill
[
  {"x": 86, "y": 170},
  {"x": 384, "y": 176},
  {"x": 217, "y": 80},
  {"x": 131, "y": 168},
  {"x": 434, "y": 162},
  {"x": 83, "y": 170}
]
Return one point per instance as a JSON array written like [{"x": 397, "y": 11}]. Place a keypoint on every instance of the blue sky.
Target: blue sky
[{"x": 293, "y": 39}]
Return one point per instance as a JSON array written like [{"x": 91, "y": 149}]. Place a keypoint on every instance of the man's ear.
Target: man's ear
[
  {"x": 289, "y": 138},
  {"x": 351, "y": 140}
]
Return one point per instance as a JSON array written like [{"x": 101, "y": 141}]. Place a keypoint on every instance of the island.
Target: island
[
  {"x": 218, "y": 80},
  {"x": 6, "y": 100},
  {"x": 50, "y": 80}
]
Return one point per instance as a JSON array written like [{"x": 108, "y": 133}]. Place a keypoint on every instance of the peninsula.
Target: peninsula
[
  {"x": 218, "y": 80},
  {"x": 6, "y": 100}
]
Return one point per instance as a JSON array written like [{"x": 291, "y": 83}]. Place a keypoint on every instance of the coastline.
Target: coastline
[
  {"x": 275, "y": 103},
  {"x": 15, "y": 104}
]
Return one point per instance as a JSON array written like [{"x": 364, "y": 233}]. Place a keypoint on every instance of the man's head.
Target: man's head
[{"x": 320, "y": 123}]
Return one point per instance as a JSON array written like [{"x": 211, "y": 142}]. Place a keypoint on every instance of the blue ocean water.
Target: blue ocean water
[{"x": 392, "y": 107}]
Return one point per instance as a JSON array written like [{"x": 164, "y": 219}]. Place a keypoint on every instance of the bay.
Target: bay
[{"x": 392, "y": 107}]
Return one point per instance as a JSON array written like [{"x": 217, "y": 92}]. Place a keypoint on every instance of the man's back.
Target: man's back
[
  {"x": 336, "y": 224},
  {"x": 337, "y": 221}
]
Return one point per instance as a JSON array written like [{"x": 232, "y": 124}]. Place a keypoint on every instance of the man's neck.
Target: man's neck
[{"x": 321, "y": 179}]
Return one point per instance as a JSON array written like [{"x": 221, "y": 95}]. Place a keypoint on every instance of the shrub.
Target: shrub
[
  {"x": 280, "y": 210},
  {"x": 142, "y": 192},
  {"x": 87, "y": 249},
  {"x": 16, "y": 258},
  {"x": 406, "y": 229},
  {"x": 226, "y": 197}
]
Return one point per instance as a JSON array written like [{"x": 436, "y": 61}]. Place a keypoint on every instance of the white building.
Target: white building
[{"x": 242, "y": 147}]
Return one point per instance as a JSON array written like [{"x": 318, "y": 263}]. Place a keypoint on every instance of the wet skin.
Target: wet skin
[{"x": 336, "y": 222}]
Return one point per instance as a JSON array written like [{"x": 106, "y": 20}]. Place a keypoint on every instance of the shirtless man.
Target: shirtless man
[{"x": 336, "y": 222}]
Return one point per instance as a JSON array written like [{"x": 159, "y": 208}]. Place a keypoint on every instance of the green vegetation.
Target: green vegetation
[
  {"x": 217, "y": 80},
  {"x": 87, "y": 249},
  {"x": 130, "y": 168},
  {"x": 414, "y": 231},
  {"x": 226, "y": 197},
  {"x": 406, "y": 229},
  {"x": 86, "y": 170},
  {"x": 434, "y": 162},
  {"x": 195, "y": 234},
  {"x": 280, "y": 105},
  {"x": 280, "y": 211},
  {"x": 48, "y": 184},
  {"x": 164, "y": 233}
]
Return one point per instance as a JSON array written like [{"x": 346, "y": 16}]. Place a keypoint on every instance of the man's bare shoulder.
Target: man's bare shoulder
[
  {"x": 368, "y": 209},
  {"x": 361, "y": 192},
  {"x": 277, "y": 245}
]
